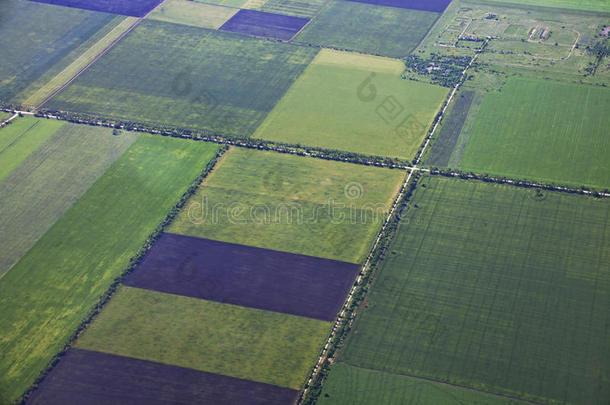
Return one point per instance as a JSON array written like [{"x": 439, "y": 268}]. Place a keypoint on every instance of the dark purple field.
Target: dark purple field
[
  {"x": 134, "y": 8},
  {"x": 262, "y": 24},
  {"x": 247, "y": 276},
  {"x": 94, "y": 378},
  {"x": 437, "y": 6}
]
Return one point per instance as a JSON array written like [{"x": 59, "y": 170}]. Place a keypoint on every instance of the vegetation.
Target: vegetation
[
  {"x": 438, "y": 69},
  {"x": 44, "y": 186},
  {"x": 192, "y": 13},
  {"x": 21, "y": 138},
  {"x": 358, "y": 386},
  {"x": 36, "y": 38},
  {"x": 253, "y": 344},
  {"x": 590, "y": 5},
  {"x": 543, "y": 130},
  {"x": 188, "y": 77},
  {"x": 298, "y": 8},
  {"x": 361, "y": 105},
  {"x": 48, "y": 293},
  {"x": 479, "y": 281},
  {"x": 293, "y": 204},
  {"x": 386, "y": 31}
]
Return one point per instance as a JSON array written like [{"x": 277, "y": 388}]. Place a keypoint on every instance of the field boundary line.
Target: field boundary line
[
  {"x": 432, "y": 380},
  {"x": 97, "y": 57}
]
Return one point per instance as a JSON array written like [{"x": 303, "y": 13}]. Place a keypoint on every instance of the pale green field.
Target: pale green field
[
  {"x": 294, "y": 204},
  {"x": 21, "y": 138},
  {"x": 590, "y": 5},
  {"x": 248, "y": 343},
  {"x": 193, "y": 13},
  {"x": 355, "y": 103}
]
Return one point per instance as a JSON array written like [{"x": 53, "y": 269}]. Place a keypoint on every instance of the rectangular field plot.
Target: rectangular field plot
[
  {"x": 292, "y": 204},
  {"x": 134, "y": 8},
  {"x": 177, "y": 75},
  {"x": 497, "y": 288},
  {"x": 444, "y": 145},
  {"x": 355, "y": 103},
  {"x": 36, "y": 38},
  {"x": 590, "y": 5},
  {"x": 240, "y": 342},
  {"x": 437, "y": 6},
  {"x": 298, "y": 8},
  {"x": 189, "y": 12},
  {"x": 46, "y": 294},
  {"x": 252, "y": 22},
  {"x": 21, "y": 138},
  {"x": 543, "y": 130},
  {"x": 358, "y": 386},
  {"x": 89, "y": 377},
  {"x": 42, "y": 188},
  {"x": 247, "y": 276},
  {"x": 386, "y": 31}
]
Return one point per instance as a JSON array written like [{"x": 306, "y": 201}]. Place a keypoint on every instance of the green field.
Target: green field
[
  {"x": 49, "y": 291},
  {"x": 242, "y": 342},
  {"x": 387, "y": 31},
  {"x": 21, "y": 138},
  {"x": 177, "y": 75},
  {"x": 38, "y": 38},
  {"x": 543, "y": 130},
  {"x": 226, "y": 3},
  {"x": 292, "y": 204},
  {"x": 590, "y": 5},
  {"x": 42, "y": 188},
  {"x": 4, "y": 115},
  {"x": 358, "y": 386},
  {"x": 497, "y": 288},
  {"x": 193, "y": 13},
  {"x": 356, "y": 103},
  {"x": 299, "y": 8}
]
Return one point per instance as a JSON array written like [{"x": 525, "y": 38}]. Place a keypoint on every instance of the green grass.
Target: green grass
[
  {"x": 21, "y": 138},
  {"x": 590, "y": 5},
  {"x": 36, "y": 38},
  {"x": 496, "y": 288},
  {"x": 42, "y": 188},
  {"x": 387, "y": 31},
  {"x": 49, "y": 291},
  {"x": 543, "y": 130},
  {"x": 355, "y": 103},
  {"x": 292, "y": 204},
  {"x": 4, "y": 115},
  {"x": 193, "y": 13},
  {"x": 177, "y": 75},
  {"x": 226, "y": 339},
  {"x": 226, "y": 3},
  {"x": 358, "y": 386}
]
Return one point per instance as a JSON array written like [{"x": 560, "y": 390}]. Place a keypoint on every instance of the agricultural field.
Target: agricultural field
[
  {"x": 495, "y": 288},
  {"x": 293, "y": 204},
  {"x": 21, "y": 138},
  {"x": 208, "y": 336},
  {"x": 268, "y": 25},
  {"x": 89, "y": 375},
  {"x": 437, "y": 6},
  {"x": 176, "y": 75},
  {"x": 358, "y": 386},
  {"x": 386, "y": 31},
  {"x": 193, "y": 13},
  {"x": 297, "y": 8},
  {"x": 361, "y": 105},
  {"x": 53, "y": 34},
  {"x": 134, "y": 8},
  {"x": 247, "y": 276},
  {"x": 46, "y": 294},
  {"x": 45, "y": 184},
  {"x": 589, "y": 5},
  {"x": 545, "y": 131}
]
